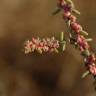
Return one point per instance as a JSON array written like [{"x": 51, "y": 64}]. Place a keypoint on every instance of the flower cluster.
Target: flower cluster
[
  {"x": 41, "y": 45},
  {"x": 78, "y": 35}
]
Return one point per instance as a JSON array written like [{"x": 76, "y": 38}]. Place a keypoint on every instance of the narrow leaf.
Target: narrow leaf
[
  {"x": 57, "y": 10},
  {"x": 62, "y": 36},
  {"x": 89, "y": 39},
  {"x": 84, "y": 33},
  {"x": 85, "y": 74},
  {"x": 76, "y": 11}
]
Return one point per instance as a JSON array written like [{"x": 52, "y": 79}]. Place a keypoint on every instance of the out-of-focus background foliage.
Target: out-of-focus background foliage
[{"x": 41, "y": 75}]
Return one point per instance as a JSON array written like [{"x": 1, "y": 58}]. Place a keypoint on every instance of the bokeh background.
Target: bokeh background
[{"x": 47, "y": 74}]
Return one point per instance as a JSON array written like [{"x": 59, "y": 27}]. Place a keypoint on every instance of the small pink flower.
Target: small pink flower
[
  {"x": 92, "y": 69},
  {"x": 29, "y": 47},
  {"x": 67, "y": 7},
  {"x": 45, "y": 48},
  {"x": 72, "y": 18},
  {"x": 90, "y": 59},
  {"x": 36, "y": 41},
  {"x": 66, "y": 15},
  {"x": 61, "y": 3},
  {"x": 82, "y": 43},
  {"x": 76, "y": 27}
]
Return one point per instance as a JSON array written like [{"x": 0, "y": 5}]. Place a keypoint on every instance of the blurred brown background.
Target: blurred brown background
[{"x": 41, "y": 75}]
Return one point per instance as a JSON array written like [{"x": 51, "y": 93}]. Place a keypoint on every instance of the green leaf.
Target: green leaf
[
  {"x": 84, "y": 33},
  {"x": 57, "y": 10},
  {"x": 76, "y": 11},
  {"x": 63, "y": 47},
  {"x": 62, "y": 36},
  {"x": 85, "y": 74},
  {"x": 69, "y": 22},
  {"x": 56, "y": 50},
  {"x": 85, "y": 53},
  {"x": 89, "y": 39},
  {"x": 62, "y": 42}
]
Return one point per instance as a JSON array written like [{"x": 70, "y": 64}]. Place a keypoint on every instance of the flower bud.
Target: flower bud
[
  {"x": 75, "y": 11},
  {"x": 82, "y": 43},
  {"x": 92, "y": 69},
  {"x": 90, "y": 59},
  {"x": 72, "y": 18},
  {"x": 66, "y": 15},
  {"x": 76, "y": 27}
]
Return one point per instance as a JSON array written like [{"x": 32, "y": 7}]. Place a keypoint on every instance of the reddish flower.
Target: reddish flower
[
  {"x": 64, "y": 5},
  {"x": 82, "y": 43},
  {"x": 66, "y": 8},
  {"x": 61, "y": 3},
  {"x": 29, "y": 46},
  {"x": 90, "y": 59},
  {"x": 92, "y": 69},
  {"x": 72, "y": 18},
  {"x": 76, "y": 27},
  {"x": 66, "y": 15}
]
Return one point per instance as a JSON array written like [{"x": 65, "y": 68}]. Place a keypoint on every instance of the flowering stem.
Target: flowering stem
[{"x": 77, "y": 36}]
